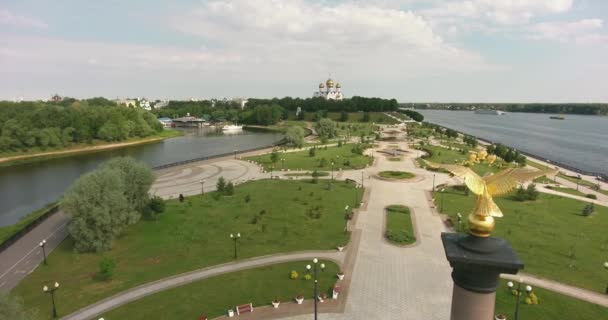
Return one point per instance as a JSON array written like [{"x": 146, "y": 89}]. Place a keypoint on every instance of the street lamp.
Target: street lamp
[
  {"x": 271, "y": 169},
  {"x": 345, "y": 219},
  {"x": 442, "y": 193},
  {"x": 316, "y": 270},
  {"x": 332, "y": 171},
  {"x": 433, "y": 182},
  {"x": 283, "y": 163},
  {"x": 235, "y": 150},
  {"x": 459, "y": 222},
  {"x": 42, "y": 244},
  {"x": 606, "y": 267},
  {"x": 518, "y": 295},
  {"x": 51, "y": 291},
  {"x": 236, "y": 239},
  {"x": 202, "y": 187}
]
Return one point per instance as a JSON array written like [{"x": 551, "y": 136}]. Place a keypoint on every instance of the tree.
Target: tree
[
  {"x": 220, "y": 185},
  {"x": 156, "y": 206},
  {"x": 12, "y": 308},
  {"x": 588, "y": 209},
  {"x": 99, "y": 209},
  {"x": 312, "y": 152},
  {"x": 137, "y": 178},
  {"x": 229, "y": 189},
  {"x": 532, "y": 192},
  {"x": 326, "y": 128},
  {"x": 295, "y": 136}
]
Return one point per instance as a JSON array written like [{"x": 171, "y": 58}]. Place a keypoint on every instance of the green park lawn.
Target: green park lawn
[
  {"x": 568, "y": 191},
  {"x": 447, "y": 156},
  {"x": 281, "y": 216},
  {"x": 402, "y": 175},
  {"x": 342, "y": 157},
  {"x": 582, "y": 182},
  {"x": 551, "y": 306},
  {"x": 212, "y": 297},
  {"x": 308, "y": 173},
  {"x": 399, "y": 226},
  {"x": 544, "y": 179},
  {"x": 356, "y": 129},
  {"x": 550, "y": 235}
]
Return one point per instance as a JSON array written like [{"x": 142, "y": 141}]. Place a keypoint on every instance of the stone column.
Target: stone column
[{"x": 477, "y": 264}]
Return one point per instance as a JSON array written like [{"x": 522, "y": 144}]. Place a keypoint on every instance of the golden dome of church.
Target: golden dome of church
[
  {"x": 329, "y": 83},
  {"x": 328, "y": 91}
]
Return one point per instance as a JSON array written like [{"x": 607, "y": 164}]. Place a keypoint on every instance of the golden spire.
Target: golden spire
[
  {"x": 329, "y": 83},
  {"x": 481, "y": 221}
]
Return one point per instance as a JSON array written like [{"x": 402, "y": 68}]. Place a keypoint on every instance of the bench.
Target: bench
[{"x": 244, "y": 308}]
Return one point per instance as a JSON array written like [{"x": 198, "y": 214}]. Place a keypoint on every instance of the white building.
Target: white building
[{"x": 329, "y": 93}]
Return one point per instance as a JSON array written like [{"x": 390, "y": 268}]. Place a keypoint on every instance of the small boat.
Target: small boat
[
  {"x": 557, "y": 117},
  {"x": 487, "y": 111},
  {"x": 232, "y": 127}
]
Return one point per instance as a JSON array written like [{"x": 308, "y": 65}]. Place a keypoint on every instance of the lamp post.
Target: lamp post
[
  {"x": 606, "y": 267},
  {"x": 236, "y": 239},
  {"x": 235, "y": 150},
  {"x": 283, "y": 163},
  {"x": 315, "y": 272},
  {"x": 442, "y": 193},
  {"x": 51, "y": 291},
  {"x": 271, "y": 168},
  {"x": 202, "y": 187},
  {"x": 459, "y": 222},
  {"x": 346, "y": 219},
  {"x": 332, "y": 171},
  {"x": 518, "y": 295},
  {"x": 433, "y": 183},
  {"x": 42, "y": 244}
]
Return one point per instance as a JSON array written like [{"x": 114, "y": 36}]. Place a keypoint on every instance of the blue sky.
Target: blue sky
[{"x": 411, "y": 50}]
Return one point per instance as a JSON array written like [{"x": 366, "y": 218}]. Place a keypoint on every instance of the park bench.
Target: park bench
[{"x": 244, "y": 308}]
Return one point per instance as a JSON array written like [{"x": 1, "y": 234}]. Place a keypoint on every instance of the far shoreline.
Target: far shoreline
[{"x": 47, "y": 155}]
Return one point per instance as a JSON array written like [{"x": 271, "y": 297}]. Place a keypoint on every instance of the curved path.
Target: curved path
[{"x": 150, "y": 288}]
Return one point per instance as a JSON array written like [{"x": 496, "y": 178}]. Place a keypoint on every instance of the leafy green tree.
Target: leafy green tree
[
  {"x": 229, "y": 189},
  {"x": 155, "y": 207},
  {"x": 274, "y": 156},
  {"x": 295, "y": 136},
  {"x": 12, "y": 308},
  {"x": 99, "y": 209},
  {"x": 366, "y": 117},
  {"x": 106, "y": 268},
  {"x": 312, "y": 152},
  {"x": 137, "y": 179},
  {"x": 326, "y": 128},
  {"x": 220, "y": 185}
]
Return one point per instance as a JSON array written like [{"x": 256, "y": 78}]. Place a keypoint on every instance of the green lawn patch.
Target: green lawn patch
[
  {"x": 342, "y": 157},
  {"x": 568, "y": 191},
  {"x": 551, "y": 305},
  {"x": 550, "y": 235},
  {"x": 396, "y": 159},
  {"x": 399, "y": 228},
  {"x": 447, "y": 156},
  {"x": 213, "y": 296},
  {"x": 543, "y": 179},
  {"x": 281, "y": 216},
  {"x": 8, "y": 231},
  {"x": 402, "y": 175}
]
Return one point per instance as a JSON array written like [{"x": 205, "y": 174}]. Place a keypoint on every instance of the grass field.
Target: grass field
[
  {"x": 399, "y": 227},
  {"x": 446, "y": 156},
  {"x": 8, "y": 231},
  {"x": 342, "y": 157},
  {"x": 582, "y": 182},
  {"x": 356, "y": 129},
  {"x": 550, "y": 235},
  {"x": 568, "y": 191},
  {"x": 551, "y": 306},
  {"x": 303, "y": 174},
  {"x": 402, "y": 175},
  {"x": 212, "y": 297},
  {"x": 281, "y": 216}
]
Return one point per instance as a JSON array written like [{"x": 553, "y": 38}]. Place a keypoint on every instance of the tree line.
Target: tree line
[
  {"x": 565, "y": 108},
  {"x": 353, "y": 104},
  {"x": 37, "y": 124}
]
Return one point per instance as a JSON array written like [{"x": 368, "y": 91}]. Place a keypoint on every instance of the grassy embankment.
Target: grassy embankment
[
  {"x": 281, "y": 216},
  {"x": 8, "y": 231},
  {"x": 447, "y": 156},
  {"x": 399, "y": 226},
  {"x": 581, "y": 182},
  {"x": 36, "y": 154},
  {"x": 551, "y": 306},
  {"x": 213, "y": 297},
  {"x": 342, "y": 157},
  {"x": 550, "y": 235}
]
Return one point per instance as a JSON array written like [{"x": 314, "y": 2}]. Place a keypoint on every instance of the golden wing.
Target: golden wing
[
  {"x": 504, "y": 181},
  {"x": 473, "y": 181}
]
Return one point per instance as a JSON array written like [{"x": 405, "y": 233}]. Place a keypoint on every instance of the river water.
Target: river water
[
  {"x": 28, "y": 187},
  {"x": 578, "y": 141}
]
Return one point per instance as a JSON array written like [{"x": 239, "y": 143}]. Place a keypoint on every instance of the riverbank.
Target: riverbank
[{"x": 27, "y": 157}]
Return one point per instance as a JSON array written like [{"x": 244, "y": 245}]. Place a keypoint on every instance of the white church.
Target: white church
[{"x": 330, "y": 93}]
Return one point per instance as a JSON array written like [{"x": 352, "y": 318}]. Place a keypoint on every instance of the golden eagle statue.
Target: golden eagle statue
[{"x": 481, "y": 221}]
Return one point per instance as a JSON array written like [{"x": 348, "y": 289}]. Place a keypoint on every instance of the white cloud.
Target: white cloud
[
  {"x": 12, "y": 19},
  {"x": 582, "y": 31}
]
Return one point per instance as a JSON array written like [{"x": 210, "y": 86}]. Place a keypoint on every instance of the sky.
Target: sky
[{"x": 411, "y": 50}]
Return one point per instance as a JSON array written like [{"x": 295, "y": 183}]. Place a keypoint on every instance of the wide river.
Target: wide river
[
  {"x": 28, "y": 187},
  {"x": 577, "y": 141}
]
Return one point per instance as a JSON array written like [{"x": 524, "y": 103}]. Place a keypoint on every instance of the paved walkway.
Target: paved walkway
[{"x": 150, "y": 288}]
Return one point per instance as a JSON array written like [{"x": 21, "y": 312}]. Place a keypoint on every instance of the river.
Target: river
[
  {"x": 578, "y": 141},
  {"x": 28, "y": 187}
]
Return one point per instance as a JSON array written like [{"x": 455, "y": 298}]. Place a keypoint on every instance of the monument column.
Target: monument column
[{"x": 477, "y": 263}]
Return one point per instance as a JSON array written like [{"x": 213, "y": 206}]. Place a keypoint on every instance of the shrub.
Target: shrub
[
  {"x": 216, "y": 196},
  {"x": 156, "y": 206},
  {"x": 322, "y": 162},
  {"x": 293, "y": 275},
  {"x": 312, "y": 151},
  {"x": 106, "y": 268},
  {"x": 229, "y": 189},
  {"x": 221, "y": 185},
  {"x": 588, "y": 209},
  {"x": 591, "y": 196},
  {"x": 307, "y": 276},
  {"x": 181, "y": 197},
  {"x": 247, "y": 198}
]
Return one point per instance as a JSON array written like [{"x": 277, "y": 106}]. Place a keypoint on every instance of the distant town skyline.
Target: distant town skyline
[{"x": 410, "y": 50}]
